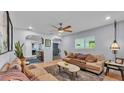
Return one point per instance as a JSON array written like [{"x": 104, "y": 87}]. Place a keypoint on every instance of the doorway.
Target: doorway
[{"x": 56, "y": 51}]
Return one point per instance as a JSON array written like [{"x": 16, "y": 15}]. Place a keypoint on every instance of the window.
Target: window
[
  {"x": 79, "y": 43},
  {"x": 87, "y": 42}
]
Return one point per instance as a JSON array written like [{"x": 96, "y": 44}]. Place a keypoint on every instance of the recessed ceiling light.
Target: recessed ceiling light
[
  {"x": 30, "y": 28},
  {"x": 108, "y": 18}
]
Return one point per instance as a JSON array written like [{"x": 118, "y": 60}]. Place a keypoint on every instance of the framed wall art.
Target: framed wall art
[
  {"x": 10, "y": 36},
  {"x": 47, "y": 42},
  {"x": 6, "y": 32}
]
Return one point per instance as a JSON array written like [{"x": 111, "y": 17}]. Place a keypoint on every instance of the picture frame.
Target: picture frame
[
  {"x": 4, "y": 32},
  {"x": 10, "y": 30},
  {"x": 119, "y": 60},
  {"x": 42, "y": 40},
  {"x": 47, "y": 43}
]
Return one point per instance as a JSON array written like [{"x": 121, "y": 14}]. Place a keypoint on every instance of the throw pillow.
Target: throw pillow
[
  {"x": 90, "y": 58},
  {"x": 70, "y": 55},
  {"x": 76, "y": 54},
  {"x": 15, "y": 66},
  {"x": 82, "y": 56},
  {"x": 100, "y": 57},
  {"x": 5, "y": 67}
]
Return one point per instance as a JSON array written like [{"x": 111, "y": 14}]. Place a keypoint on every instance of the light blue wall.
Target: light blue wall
[{"x": 104, "y": 37}]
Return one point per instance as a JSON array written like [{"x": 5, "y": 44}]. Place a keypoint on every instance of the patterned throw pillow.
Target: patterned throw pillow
[
  {"x": 15, "y": 66},
  {"x": 82, "y": 56},
  {"x": 91, "y": 58}
]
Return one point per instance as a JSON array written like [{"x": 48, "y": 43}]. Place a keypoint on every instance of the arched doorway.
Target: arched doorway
[
  {"x": 34, "y": 48},
  {"x": 56, "y": 48}
]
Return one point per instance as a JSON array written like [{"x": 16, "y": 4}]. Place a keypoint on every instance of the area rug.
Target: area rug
[{"x": 65, "y": 75}]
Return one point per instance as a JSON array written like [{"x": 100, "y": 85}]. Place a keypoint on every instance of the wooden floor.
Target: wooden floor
[
  {"x": 114, "y": 75},
  {"x": 111, "y": 76}
]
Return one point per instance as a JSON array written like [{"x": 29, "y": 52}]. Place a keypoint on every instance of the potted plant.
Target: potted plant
[{"x": 19, "y": 52}]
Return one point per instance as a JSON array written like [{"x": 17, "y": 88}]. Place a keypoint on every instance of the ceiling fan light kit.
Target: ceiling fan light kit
[{"x": 62, "y": 29}]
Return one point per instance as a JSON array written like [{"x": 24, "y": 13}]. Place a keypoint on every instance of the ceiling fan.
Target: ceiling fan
[{"x": 62, "y": 29}]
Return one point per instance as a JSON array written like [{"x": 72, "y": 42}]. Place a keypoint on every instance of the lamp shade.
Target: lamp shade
[{"x": 114, "y": 46}]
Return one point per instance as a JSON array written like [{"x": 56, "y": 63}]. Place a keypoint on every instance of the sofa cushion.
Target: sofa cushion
[
  {"x": 5, "y": 67},
  {"x": 39, "y": 72},
  {"x": 71, "y": 55},
  {"x": 90, "y": 58},
  {"x": 78, "y": 60},
  {"x": 80, "y": 63},
  {"x": 28, "y": 73},
  {"x": 33, "y": 73},
  {"x": 92, "y": 66},
  {"x": 31, "y": 67},
  {"x": 100, "y": 57}
]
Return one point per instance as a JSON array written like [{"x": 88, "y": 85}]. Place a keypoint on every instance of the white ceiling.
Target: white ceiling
[{"x": 79, "y": 20}]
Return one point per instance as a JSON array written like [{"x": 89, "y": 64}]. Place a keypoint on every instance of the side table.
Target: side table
[{"x": 115, "y": 66}]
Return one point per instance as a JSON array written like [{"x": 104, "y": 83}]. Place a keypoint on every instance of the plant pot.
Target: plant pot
[{"x": 23, "y": 60}]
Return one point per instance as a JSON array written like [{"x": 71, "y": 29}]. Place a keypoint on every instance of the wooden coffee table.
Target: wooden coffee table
[{"x": 70, "y": 67}]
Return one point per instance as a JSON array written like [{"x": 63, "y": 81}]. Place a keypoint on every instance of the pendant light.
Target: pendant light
[{"x": 115, "y": 47}]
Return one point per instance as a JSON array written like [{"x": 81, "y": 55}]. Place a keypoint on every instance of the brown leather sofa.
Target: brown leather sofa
[{"x": 92, "y": 63}]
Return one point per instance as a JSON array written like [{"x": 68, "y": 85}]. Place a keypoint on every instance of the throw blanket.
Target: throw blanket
[{"x": 13, "y": 75}]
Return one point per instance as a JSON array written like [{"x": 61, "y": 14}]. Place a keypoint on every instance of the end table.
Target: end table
[{"x": 115, "y": 66}]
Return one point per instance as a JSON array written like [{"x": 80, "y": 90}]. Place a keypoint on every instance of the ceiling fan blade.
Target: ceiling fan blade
[
  {"x": 54, "y": 26},
  {"x": 67, "y": 27},
  {"x": 68, "y": 30}
]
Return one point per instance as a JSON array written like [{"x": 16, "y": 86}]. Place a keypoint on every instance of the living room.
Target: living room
[
  {"x": 41, "y": 32},
  {"x": 62, "y": 46}
]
